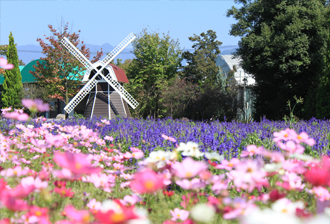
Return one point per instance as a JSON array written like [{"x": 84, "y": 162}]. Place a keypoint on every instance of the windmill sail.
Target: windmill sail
[
  {"x": 75, "y": 52},
  {"x": 92, "y": 82},
  {"x": 118, "y": 49}
]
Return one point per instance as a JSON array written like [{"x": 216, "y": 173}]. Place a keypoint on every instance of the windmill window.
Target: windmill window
[{"x": 104, "y": 72}]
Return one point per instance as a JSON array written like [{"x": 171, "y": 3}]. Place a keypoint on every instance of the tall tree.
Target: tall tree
[
  {"x": 12, "y": 93},
  {"x": 323, "y": 90},
  {"x": 61, "y": 73},
  {"x": 3, "y": 51},
  {"x": 156, "y": 61},
  {"x": 282, "y": 45},
  {"x": 201, "y": 67}
]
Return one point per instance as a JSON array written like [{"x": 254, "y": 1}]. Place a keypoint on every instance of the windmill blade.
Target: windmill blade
[
  {"x": 80, "y": 95},
  {"x": 121, "y": 91},
  {"x": 118, "y": 49},
  {"x": 75, "y": 52}
]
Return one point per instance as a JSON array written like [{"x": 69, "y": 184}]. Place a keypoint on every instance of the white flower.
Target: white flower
[
  {"x": 196, "y": 154},
  {"x": 285, "y": 206},
  {"x": 110, "y": 205},
  {"x": 203, "y": 213},
  {"x": 190, "y": 149},
  {"x": 302, "y": 157},
  {"x": 190, "y": 146},
  {"x": 319, "y": 219},
  {"x": 268, "y": 216},
  {"x": 142, "y": 213},
  {"x": 214, "y": 155},
  {"x": 272, "y": 167},
  {"x": 159, "y": 157}
]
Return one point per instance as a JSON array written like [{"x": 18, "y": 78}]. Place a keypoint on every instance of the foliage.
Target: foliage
[
  {"x": 178, "y": 95},
  {"x": 156, "y": 61},
  {"x": 61, "y": 72},
  {"x": 292, "y": 118},
  {"x": 282, "y": 45},
  {"x": 201, "y": 67},
  {"x": 35, "y": 91},
  {"x": 3, "y": 49},
  {"x": 12, "y": 86},
  {"x": 213, "y": 103},
  {"x": 323, "y": 96},
  {"x": 124, "y": 65}
]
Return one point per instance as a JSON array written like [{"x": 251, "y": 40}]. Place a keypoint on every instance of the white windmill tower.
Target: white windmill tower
[{"x": 106, "y": 96}]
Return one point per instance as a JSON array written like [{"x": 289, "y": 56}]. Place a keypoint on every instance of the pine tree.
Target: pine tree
[{"x": 12, "y": 85}]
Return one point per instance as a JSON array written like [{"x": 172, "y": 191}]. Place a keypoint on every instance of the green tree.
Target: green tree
[
  {"x": 156, "y": 61},
  {"x": 201, "y": 67},
  {"x": 323, "y": 96},
  {"x": 282, "y": 45},
  {"x": 61, "y": 73},
  {"x": 12, "y": 93},
  {"x": 3, "y": 51}
]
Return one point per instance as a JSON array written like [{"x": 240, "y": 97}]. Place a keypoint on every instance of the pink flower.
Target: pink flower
[
  {"x": 179, "y": 214},
  {"x": 291, "y": 147},
  {"x": 190, "y": 185},
  {"x": 188, "y": 168},
  {"x": 16, "y": 116},
  {"x": 137, "y": 154},
  {"x": 94, "y": 205},
  {"x": 35, "y": 105},
  {"x": 131, "y": 200},
  {"x": 12, "y": 203},
  {"x": 228, "y": 165},
  {"x": 147, "y": 181},
  {"x": 321, "y": 193},
  {"x": 168, "y": 138},
  {"x": 4, "y": 64},
  {"x": 287, "y": 134},
  {"x": 76, "y": 216},
  {"x": 303, "y": 137},
  {"x": 251, "y": 150},
  {"x": 109, "y": 138},
  {"x": 76, "y": 163},
  {"x": 248, "y": 175}
]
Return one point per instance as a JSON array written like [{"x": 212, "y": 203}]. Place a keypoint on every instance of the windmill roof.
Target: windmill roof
[{"x": 120, "y": 74}]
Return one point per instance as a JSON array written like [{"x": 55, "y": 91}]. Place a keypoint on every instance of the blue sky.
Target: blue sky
[{"x": 111, "y": 21}]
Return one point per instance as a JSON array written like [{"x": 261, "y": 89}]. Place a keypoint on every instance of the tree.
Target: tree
[
  {"x": 61, "y": 73},
  {"x": 156, "y": 62},
  {"x": 178, "y": 95},
  {"x": 282, "y": 45},
  {"x": 3, "y": 51},
  {"x": 201, "y": 67},
  {"x": 323, "y": 96},
  {"x": 12, "y": 85}
]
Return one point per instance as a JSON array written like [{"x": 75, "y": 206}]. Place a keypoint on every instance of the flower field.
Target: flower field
[{"x": 163, "y": 171}]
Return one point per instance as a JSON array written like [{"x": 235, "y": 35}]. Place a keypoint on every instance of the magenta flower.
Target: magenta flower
[
  {"x": 35, "y": 105},
  {"x": 4, "y": 64},
  {"x": 76, "y": 163},
  {"x": 188, "y": 168}
]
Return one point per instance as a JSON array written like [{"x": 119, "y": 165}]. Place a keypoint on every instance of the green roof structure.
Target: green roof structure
[{"x": 27, "y": 77}]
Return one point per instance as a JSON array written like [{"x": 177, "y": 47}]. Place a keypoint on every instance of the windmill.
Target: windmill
[{"x": 106, "y": 96}]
